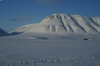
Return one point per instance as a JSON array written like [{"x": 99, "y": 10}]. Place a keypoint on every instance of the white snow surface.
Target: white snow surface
[
  {"x": 58, "y": 40},
  {"x": 39, "y": 49}
]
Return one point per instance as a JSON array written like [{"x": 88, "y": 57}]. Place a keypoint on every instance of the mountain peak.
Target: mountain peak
[
  {"x": 66, "y": 23},
  {"x": 2, "y": 32}
]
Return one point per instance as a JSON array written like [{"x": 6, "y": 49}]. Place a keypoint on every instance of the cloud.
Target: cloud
[
  {"x": 48, "y": 1},
  {"x": 14, "y": 20},
  {"x": 26, "y": 18},
  {"x": 23, "y": 18},
  {"x": 0, "y": 0}
]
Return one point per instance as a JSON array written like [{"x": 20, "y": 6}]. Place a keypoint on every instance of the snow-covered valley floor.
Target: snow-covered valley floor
[{"x": 16, "y": 51}]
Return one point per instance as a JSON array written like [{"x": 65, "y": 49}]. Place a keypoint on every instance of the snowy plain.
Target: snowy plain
[
  {"x": 58, "y": 40},
  {"x": 57, "y": 50}
]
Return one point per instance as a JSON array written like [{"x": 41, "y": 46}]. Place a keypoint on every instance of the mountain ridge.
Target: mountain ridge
[
  {"x": 2, "y": 32},
  {"x": 64, "y": 23}
]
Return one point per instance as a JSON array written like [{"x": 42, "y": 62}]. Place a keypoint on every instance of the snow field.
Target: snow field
[
  {"x": 58, "y": 40},
  {"x": 58, "y": 50},
  {"x": 34, "y": 62}
]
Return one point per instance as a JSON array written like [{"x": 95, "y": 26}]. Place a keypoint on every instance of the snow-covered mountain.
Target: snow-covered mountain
[
  {"x": 2, "y": 32},
  {"x": 64, "y": 23},
  {"x": 58, "y": 40}
]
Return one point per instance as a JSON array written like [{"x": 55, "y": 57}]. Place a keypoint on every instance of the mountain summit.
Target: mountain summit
[{"x": 66, "y": 23}]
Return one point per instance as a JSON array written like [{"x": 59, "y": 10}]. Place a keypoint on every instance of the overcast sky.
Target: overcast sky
[{"x": 15, "y": 13}]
